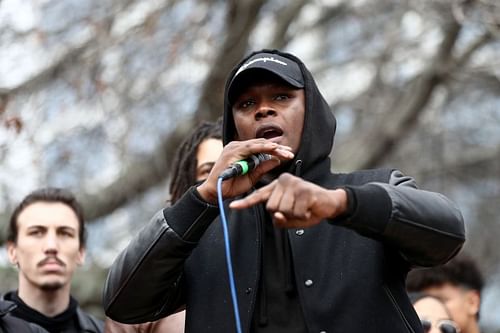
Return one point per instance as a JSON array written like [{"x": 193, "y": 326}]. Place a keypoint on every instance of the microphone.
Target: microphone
[{"x": 244, "y": 166}]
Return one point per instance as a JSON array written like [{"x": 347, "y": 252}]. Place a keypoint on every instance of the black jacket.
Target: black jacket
[
  {"x": 350, "y": 272},
  {"x": 87, "y": 322},
  {"x": 11, "y": 324}
]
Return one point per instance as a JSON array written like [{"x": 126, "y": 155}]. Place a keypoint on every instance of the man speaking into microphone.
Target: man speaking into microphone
[{"x": 312, "y": 250}]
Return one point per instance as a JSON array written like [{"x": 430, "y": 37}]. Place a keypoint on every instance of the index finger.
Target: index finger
[{"x": 261, "y": 195}]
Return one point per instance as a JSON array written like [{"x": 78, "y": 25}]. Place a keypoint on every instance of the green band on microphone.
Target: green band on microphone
[{"x": 244, "y": 167}]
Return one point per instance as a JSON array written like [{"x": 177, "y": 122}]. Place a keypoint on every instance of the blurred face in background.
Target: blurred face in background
[
  {"x": 47, "y": 249},
  {"x": 434, "y": 316},
  {"x": 208, "y": 152},
  {"x": 463, "y": 304}
]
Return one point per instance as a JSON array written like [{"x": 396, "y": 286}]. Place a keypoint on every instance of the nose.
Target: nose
[
  {"x": 51, "y": 243},
  {"x": 264, "y": 110},
  {"x": 434, "y": 329}
]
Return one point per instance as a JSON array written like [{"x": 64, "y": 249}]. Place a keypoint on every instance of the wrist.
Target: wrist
[
  {"x": 350, "y": 202},
  {"x": 341, "y": 204},
  {"x": 205, "y": 194},
  {"x": 344, "y": 201}
]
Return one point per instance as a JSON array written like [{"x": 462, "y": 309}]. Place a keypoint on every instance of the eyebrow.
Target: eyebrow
[
  {"x": 40, "y": 226},
  {"x": 36, "y": 226},
  {"x": 211, "y": 164},
  {"x": 65, "y": 227}
]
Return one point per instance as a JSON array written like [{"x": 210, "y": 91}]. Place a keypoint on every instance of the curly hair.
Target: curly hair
[
  {"x": 461, "y": 271},
  {"x": 185, "y": 161}
]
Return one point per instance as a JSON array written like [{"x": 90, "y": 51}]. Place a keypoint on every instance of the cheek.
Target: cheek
[
  {"x": 298, "y": 124},
  {"x": 299, "y": 116},
  {"x": 27, "y": 253},
  {"x": 27, "y": 262},
  {"x": 242, "y": 130},
  {"x": 70, "y": 248},
  {"x": 74, "y": 252},
  {"x": 456, "y": 308}
]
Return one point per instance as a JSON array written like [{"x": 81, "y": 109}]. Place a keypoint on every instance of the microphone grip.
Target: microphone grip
[{"x": 244, "y": 166}]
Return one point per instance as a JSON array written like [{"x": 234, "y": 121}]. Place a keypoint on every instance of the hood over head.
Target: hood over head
[{"x": 319, "y": 122}]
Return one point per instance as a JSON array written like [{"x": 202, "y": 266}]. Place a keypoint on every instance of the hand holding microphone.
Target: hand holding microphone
[
  {"x": 245, "y": 166},
  {"x": 256, "y": 157}
]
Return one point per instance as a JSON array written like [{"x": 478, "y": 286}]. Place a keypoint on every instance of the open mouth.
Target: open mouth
[{"x": 268, "y": 132}]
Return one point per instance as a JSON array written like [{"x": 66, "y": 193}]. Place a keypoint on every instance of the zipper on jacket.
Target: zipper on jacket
[
  {"x": 258, "y": 211},
  {"x": 298, "y": 168},
  {"x": 396, "y": 306}
]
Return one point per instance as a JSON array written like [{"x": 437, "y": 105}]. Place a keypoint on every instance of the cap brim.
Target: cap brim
[{"x": 248, "y": 75}]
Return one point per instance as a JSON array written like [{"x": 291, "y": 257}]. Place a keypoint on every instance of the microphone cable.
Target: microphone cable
[{"x": 229, "y": 263}]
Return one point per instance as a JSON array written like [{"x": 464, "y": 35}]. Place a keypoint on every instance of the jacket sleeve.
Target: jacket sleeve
[
  {"x": 425, "y": 227},
  {"x": 144, "y": 282}
]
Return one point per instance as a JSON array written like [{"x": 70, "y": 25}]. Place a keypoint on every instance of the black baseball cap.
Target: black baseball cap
[{"x": 285, "y": 68}]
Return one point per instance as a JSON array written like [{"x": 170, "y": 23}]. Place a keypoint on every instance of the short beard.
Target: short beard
[{"x": 53, "y": 286}]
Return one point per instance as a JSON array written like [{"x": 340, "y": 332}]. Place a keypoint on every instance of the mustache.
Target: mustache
[{"x": 44, "y": 261}]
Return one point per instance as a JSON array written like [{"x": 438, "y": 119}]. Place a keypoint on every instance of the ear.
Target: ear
[
  {"x": 12, "y": 252},
  {"x": 473, "y": 300},
  {"x": 80, "y": 260}
]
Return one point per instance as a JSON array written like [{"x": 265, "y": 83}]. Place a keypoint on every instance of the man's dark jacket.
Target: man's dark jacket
[
  {"x": 87, "y": 323},
  {"x": 350, "y": 272},
  {"x": 11, "y": 324}
]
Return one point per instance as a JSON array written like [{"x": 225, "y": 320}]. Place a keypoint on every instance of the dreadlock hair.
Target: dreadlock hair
[
  {"x": 461, "y": 271},
  {"x": 185, "y": 161}
]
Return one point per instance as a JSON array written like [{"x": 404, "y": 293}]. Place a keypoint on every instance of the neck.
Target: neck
[{"x": 48, "y": 302}]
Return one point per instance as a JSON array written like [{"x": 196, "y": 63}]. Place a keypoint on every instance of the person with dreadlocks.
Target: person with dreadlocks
[
  {"x": 195, "y": 158},
  {"x": 192, "y": 163}
]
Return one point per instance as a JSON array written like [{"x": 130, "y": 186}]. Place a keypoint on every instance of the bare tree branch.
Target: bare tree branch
[
  {"x": 285, "y": 18},
  {"x": 397, "y": 123},
  {"x": 240, "y": 21},
  {"x": 143, "y": 174},
  {"x": 473, "y": 47},
  {"x": 140, "y": 175},
  {"x": 137, "y": 177},
  {"x": 474, "y": 159}
]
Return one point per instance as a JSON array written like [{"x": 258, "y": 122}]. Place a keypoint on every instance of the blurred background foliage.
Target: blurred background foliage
[{"x": 96, "y": 95}]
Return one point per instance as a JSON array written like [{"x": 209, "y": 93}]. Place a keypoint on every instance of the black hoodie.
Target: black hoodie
[
  {"x": 278, "y": 308},
  {"x": 348, "y": 274}
]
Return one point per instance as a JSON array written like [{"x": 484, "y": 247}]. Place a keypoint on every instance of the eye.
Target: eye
[
  {"x": 203, "y": 171},
  {"x": 35, "y": 232},
  {"x": 281, "y": 97},
  {"x": 66, "y": 233},
  {"x": 246, "y": 104},
  {"x": 204, "y": 174}
]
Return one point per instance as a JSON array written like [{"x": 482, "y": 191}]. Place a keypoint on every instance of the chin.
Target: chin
[{"x": 51, "y": 286}]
